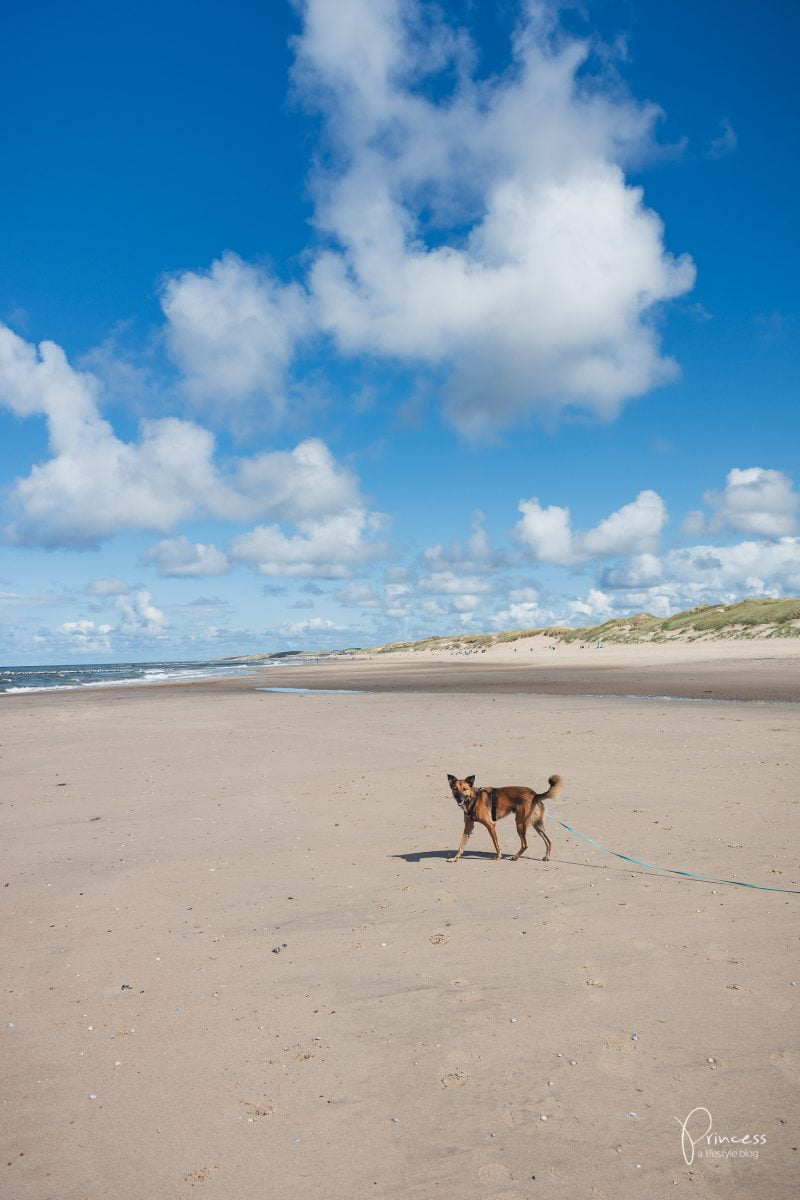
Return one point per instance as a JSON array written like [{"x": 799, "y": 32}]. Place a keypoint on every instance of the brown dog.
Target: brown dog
[{"x": 488, "y": 805}]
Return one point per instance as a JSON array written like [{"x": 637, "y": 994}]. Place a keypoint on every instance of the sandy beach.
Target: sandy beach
[
  {"x": 238, "y": 964},
  {"x": 766, "y": 670}
]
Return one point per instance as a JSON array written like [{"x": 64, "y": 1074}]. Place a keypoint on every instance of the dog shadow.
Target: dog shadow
[
  {"x": 422, "y": 855},
  {"x": 608, "y": 869}
]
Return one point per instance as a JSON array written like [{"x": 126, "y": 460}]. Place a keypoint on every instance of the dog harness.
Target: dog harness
[{"x": 493, "y": 799}]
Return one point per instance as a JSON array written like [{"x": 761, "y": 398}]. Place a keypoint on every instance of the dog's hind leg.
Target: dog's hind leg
[
  {"x": 523, "y": 843},
  {"x": 469, "y": 825},
  {"x": 538, "y": 825}
]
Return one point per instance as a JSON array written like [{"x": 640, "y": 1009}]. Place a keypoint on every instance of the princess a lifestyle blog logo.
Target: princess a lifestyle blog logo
[{"x": 699, "y": 1139}]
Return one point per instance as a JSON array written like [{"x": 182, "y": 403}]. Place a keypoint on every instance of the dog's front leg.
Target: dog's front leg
[
  {"x": 469, "y": 825},
  {"x": 493, "y": 835}
]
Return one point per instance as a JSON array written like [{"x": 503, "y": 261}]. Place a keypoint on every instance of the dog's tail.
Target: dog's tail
[{"x": 553, "y": 790}]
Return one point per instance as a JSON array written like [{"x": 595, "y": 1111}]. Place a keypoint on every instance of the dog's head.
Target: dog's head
[{"x": 463, "y": 789}]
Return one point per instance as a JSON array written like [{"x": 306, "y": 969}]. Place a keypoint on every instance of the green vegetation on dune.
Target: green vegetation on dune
[
  {"x": 746, "y": 612},
  {"x": 756, "y": 618}
]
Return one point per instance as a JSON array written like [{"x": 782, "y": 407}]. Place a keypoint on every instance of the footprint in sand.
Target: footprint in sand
[
  {"x": 438, "y": 939},
  {"x": 200, "y": 1175},
  {"x": 456, "y": 1080},
  {"x": 262, "y": 1109}
]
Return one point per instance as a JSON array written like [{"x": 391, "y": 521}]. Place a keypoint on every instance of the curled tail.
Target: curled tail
[{"x": 553, "y": 790}]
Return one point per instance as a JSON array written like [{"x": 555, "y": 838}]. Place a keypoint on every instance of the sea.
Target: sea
[{"x": 68, "y": 677}]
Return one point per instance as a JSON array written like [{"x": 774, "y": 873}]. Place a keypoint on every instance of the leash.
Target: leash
[{"x": 761, "y": 887}]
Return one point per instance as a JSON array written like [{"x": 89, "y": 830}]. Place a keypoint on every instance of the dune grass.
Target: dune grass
[{"x": 753, "y": 618}]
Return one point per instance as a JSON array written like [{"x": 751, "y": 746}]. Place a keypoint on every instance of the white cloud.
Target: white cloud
[
  {"x": 758, "y": 567},
  {"x": 206, "y": 604},
  {"x": 465, "y": 602},
  {"x": 640, "y": 570},
  {"x": 451, "y": 583},
  {"x": 754, "y": 500},
  {"x": 596, "y": 606},
  {"x": 111, "y": 586},
  {"x": 318, "y": 633},
  {"x": 524, "y": 615},
  {"x": 138, "y": 618},
  {"x": 705, "y": 574},
  {"x": 547, "y": 532},
  {"x": 139, "y": 615},
  {"x": 306, "y": 482},
  {"x": 232, "y": 330},
  {"x": 359, "y": 595},
  {"x": 328, "y": 548},
  {"x": 547, "y": 298},
  {"x": 524, "y": 610},
  {"x": 632, "y": 529},
  {"x": 13, "y": 598},
  {"x": 398, "y": 601},
  {"x": 461, "y": 605},
  {"x": 477, "y": 554},
  {"x": 29, "y": 600},
  {"x": 179, "y": 557},
  {"x": 86, "y": 635},
  {"x": 446, "y": 595},
  {"x": 95, "y": 485}
]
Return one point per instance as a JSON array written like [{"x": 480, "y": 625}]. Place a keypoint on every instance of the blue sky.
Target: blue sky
[{"x": 345, "y": 321}]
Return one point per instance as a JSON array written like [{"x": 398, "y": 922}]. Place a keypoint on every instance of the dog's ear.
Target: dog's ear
[
  {"x": 451, "y": 779},
  {"x": 470, "y": 780}
]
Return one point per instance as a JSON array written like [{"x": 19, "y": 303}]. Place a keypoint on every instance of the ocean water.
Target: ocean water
[{"x": 67, "y": 677}]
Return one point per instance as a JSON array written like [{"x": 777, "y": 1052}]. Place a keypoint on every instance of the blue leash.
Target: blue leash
[{"x": 761, "y": 887}]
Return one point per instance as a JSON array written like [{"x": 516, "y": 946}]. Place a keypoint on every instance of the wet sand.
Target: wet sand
[{"x": 767, "y": 679}]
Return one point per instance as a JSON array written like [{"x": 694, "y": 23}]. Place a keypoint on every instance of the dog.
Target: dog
[{"x": 488, "y": 805}]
